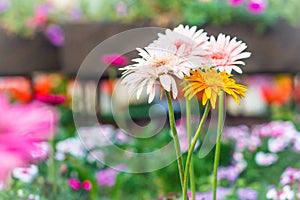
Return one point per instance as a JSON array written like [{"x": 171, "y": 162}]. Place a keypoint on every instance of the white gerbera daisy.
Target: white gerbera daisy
[
  {"x": 225, "y": 53},
  {"x": 156, "y": 64}
]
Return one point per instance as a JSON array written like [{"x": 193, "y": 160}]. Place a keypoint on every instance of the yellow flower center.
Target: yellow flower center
[{"x": 212, "y": 79}]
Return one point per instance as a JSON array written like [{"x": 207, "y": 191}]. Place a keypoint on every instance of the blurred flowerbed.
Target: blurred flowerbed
[
  {"x": 44, "y": 153},
  {"x": 26, "y": 18}
]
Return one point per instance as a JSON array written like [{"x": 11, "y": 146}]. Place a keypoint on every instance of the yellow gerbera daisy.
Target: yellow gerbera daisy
[{"x": 208, "y": 83}]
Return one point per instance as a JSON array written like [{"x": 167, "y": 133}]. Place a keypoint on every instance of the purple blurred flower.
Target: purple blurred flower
[
  {"x": 4, "y": 5},
  {"x": 247, "y": 194},
  {"x": 182, "y": 134},
  {"x": 121, "y": 9},
  {"x": 107, "y": 177},
  {"x": 230, "y": 173},
  {"x": 114, "y": 59},
  {"x": 76, "y": 14},
  {"x": 235, "y": 3},
  {"x": 257, "y": 6},
  {"x": 121, "y": 137},
  {"x": 55, "y": 35},
  {"x": 221, "y": 194}
]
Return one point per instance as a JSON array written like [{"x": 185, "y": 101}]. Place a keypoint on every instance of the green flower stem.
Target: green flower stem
[
  {"x": 112, "y": 73},
  {"x": 51, "y": 166},
  {"x": 191, "y": 150},
  {"x": 218, "y": 144},
  {"x": 189, "y": 133},
  {"x": 175, "y": 137}
]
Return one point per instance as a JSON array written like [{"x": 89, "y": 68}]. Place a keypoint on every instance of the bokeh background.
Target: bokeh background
[{"x": 43, "y": 44}]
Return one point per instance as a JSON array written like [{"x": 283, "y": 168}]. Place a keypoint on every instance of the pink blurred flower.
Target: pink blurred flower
[
  {"x": 41, "y": 14},
  {"x": 286, "y": 193},
  {"x": 226, "y": 53},
  {"x": 22, "y": 126},
  {"x": 256, "y": 6},
  {"x": 114, "y": 59},
  {"x": 74, "y": 183},
  {"x": 289, "y": 176},
  {"x": 235, "y": 3},
  {"x": 107, "y": 177}
]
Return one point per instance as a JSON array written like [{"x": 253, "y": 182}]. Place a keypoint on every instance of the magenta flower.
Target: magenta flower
[
  {"x": 256, "y": 6},
  {"x": 235, "y": 3},
  {"x": 55, "y": 35},
  {"x": 53, "y": 99},
  {"x": 74, "y": 184},
  {"x": 22, "y": 127},
  {"x": 114, "y": 59},
  {"x": 86, "y": 185},
  {"x": 107, "y": 177}
]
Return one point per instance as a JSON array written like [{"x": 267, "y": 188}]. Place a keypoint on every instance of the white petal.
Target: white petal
[
  {"x": 152, "y": 94},
  {"x": 165, "y": 81}
]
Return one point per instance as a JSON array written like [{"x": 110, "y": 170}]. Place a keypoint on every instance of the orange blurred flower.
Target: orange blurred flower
[
  {"x": 18, "y": 88},
  {"x": 279, "y": 92}
]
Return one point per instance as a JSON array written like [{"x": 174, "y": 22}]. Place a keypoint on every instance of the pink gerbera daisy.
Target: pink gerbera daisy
[
  {"x": 189, "y": 42},
  {"x": 225, "y": 53}
]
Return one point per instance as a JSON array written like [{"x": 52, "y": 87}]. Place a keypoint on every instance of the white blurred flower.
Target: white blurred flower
[
  {"x": 33, "y": 197},
  {"x": 72, "y": 146},
  {"x": 272, "y": 194},
  {"x": 296, "y": 143},
  {"x": 277, "y": 144},
  {"x": 265, "y": 159},
  {"x": 1, "y": 185},
  {"x": 64, "y": 4},
  {"x": 287, "y": 193},
  {"x": 96, "y": 136},
  {"x": 41, "y": 153},
  {"x": 20, "y": 193},
  {"x": 25, "y": 175}
]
